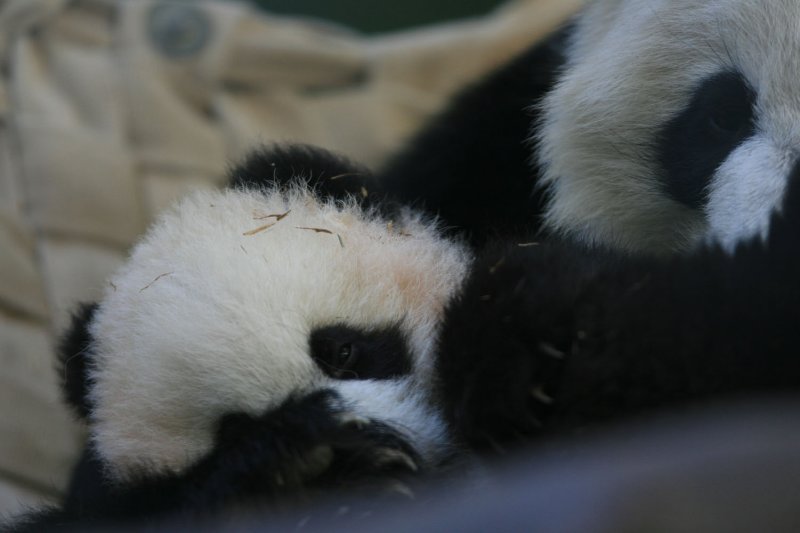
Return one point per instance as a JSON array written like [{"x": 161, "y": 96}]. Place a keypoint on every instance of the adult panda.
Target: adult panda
[{"x": 644, "y": 125}]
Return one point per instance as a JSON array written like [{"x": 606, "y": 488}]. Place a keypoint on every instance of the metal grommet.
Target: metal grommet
[{"x": 178, "y": 30}]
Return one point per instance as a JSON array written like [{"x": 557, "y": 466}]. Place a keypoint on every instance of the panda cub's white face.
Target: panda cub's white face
[
  {"x": 676, "y": 122},
  {"x": 235, "y": 300}
]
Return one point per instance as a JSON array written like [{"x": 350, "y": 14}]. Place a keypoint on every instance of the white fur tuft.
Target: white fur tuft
[
  {"x": 745, "y": 192},
  {"x": 404, "y": 405}
]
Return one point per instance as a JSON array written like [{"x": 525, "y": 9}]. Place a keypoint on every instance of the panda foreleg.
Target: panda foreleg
[
  {"x": 304, "y": 450},
  {"x": 555, "y": 338},
  {"x": 504, "y": 342},
  {"x": 309, "y": 445}
]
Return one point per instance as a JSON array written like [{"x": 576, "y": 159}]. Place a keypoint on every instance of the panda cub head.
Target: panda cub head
[
  {"x": 675, "y": 122},
  {"x": 234, "y": 301}
]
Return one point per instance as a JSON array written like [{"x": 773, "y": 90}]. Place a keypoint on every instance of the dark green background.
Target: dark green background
[{"x": 381, "y": 15}]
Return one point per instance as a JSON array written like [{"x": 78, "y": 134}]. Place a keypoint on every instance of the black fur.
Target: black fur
[
  {"x": 473, "y": 164},
  {"x": 73, "y": 358},
  {"x": 307, "y": 447},
  {"x": 555, "y": 338},
  {"x": 331, "y": 175},
  {"x": 719, "y": 117}
]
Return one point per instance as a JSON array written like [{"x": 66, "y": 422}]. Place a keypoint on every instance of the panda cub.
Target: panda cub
[
  {"x": 236, "y": 301},
  {"x": 263, "y": 345}
]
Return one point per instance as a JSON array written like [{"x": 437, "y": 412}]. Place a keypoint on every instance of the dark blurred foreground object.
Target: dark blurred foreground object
[
  {"x": 726, "y": 469},
  {"x": 373, "y": 17}
]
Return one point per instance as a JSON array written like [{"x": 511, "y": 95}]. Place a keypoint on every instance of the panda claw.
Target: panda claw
[
  {"x": 392, "y": 456},
  {"x": 551, "y": 351},
  {"x": 358, "y": 422},
  {"x": 541, "y": 396},
  {"x": 403, "y": 490}
]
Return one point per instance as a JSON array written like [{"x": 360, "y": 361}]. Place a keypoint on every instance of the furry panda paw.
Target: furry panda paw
[
  {"x": 298, "y": 451},
  {"x": 504, "y": 344},
  {"x": 308, "y": 448}
]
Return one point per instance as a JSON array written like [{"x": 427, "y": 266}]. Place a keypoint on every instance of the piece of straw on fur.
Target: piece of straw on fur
[
  {"x": 316, "y": 230},
  {"x": 258, "y": 229},
  {"x": 278, "y": 216},
  {"x": 157, "y": 278}
]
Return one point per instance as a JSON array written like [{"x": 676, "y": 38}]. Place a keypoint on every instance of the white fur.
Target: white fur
[
  {"x": 633, "y": 65},
  {"x": 404, "y": 405},
  {"x": 205, "y": 320},
  {"x": 740, "y": 205}
]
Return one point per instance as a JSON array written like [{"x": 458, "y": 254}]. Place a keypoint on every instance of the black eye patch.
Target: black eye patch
[
  {"x": 692, "y": 146},
  {"x": 344, "y": 352}
]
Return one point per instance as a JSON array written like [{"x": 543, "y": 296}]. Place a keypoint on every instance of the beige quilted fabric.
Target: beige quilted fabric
[{"x": 110, "y": 109}]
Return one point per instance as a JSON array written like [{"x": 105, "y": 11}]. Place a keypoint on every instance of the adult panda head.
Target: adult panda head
[
  {"x": 674, "y": 122},
  {"x": 234, "y": 301}
]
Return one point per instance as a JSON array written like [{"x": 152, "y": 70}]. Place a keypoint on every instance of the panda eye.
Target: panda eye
[
  {"x": 729, "y": 121},
  {"x": 718, "y": 118},
  {"x": 730, "y": 102},
  {"x": 345, "y": 357},
  {"x": 337, "y": 358}
]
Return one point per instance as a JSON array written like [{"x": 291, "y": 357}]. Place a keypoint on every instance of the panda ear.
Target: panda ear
[
  {"x": 329, "y": 174},
  {"x": 73, "y": 359}
]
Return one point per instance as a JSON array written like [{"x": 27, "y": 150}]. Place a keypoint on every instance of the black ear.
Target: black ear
[
  {"x": 73, "y": 357},
  {"x": 331, "y": 175}
]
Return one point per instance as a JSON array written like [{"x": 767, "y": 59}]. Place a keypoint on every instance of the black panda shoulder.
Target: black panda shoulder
[{"x": 472, "y": 164}]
